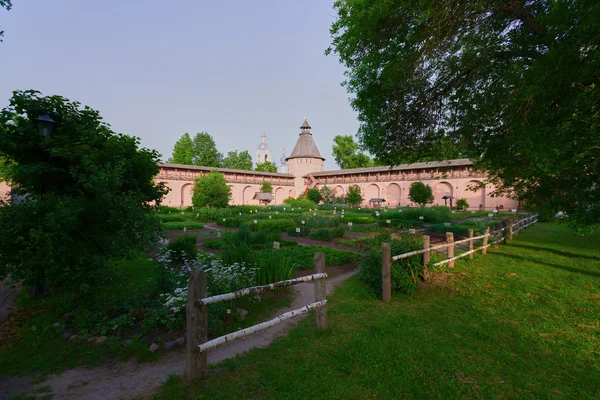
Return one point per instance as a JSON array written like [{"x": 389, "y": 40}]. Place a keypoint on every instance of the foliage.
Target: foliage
[
  {"x": 89, "y": 195},
  {"x": 300, "y": 203},
  {"x": 347, "y": 155},
  {"x": 327, "y": 195},
  {"x": 238, "y": 160},
  {"x": 275, "y": 225},
  {"x": 211, "y": 191},
  {"x": 6, "y": 4},
  {"x": 462, "y": 204},
  {"x": 354, "y": 196},
  {"x": 266, "y": 166},
  {"x": 178, "y": 226},
  {"x": 304, "y": 231},
  {"x": 406, "y": 272},
  {"x": 420, "y": 194},
  {"x": 314, "y": 195},
  {"x": 434, "y": 75},
  {"x": 338, "y": 232},
  {"x": 201, "y": 150},
  {"x": 433, "y": 215},
  {"x": 183, "y": 247},
  {"x": 266, "y": 187},
  {"x": 302, "y": 257},
  {"x": 322, "y": 234}
]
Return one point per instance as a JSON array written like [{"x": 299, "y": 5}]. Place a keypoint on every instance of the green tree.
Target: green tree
[
  {"x": 354, "y": 196},
  {"x": 513, "y": 83},
  {"x": 183, "y": 151},
  {"x": 314, "y": 195},
  {"x": 266, "y": 187},
  {"x": 89, "y": 195},
  {"x": 327, "y": 194},
  {"x": 266, "y": 166},
  {"x": 6, "y": 4},
  {"x": 211, "y": 190},
  {"x": 238, "y": 160},
  {"x": 462, "y": 204},
  {"x": 200, "y": 150},
  {"x": 420, "y": 193},
  {"x": 347, "y": 155}
]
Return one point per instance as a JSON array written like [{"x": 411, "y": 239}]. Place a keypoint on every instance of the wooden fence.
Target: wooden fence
[
  {"x": 197, "y": 344},
  {"x": 500, "y": 235}
]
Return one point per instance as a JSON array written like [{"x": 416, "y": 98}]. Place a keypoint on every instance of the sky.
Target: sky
[{"x": 157, "y": 69}]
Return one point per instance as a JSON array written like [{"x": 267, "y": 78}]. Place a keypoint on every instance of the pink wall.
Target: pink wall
[
  {"x": 4, "y": 191},
  {"x": 299, "y": 167}
]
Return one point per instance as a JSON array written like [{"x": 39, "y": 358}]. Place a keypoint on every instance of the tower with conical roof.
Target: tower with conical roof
[
  {"x": 263, "y": 152},
  {"x": 305, "y": 158}
]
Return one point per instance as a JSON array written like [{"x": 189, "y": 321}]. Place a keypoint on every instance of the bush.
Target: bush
[
  {"x": 405, "y": 272},
  {"x": 178, "y": 226},
  {"x": 461, "y": 204},
  {"x": 302, "y": 257},
  {"x": 171, "y": 217},
  {"x": 275, "y": 225},
  {"x": 300, "y": 203},
  {"x": 303, "y": 232},
  {"x": 322, "y": 234},
  {"x": 183, "y": 248},
  {"x": 338, "y": 232}
]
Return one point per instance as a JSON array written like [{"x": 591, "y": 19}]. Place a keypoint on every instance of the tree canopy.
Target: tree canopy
[
  {"x": 513, "y": 84},
  {"x": 266, "y": 187},
  {"x": 347, "y": 155},
  {"x": 200, "y": 150},
  {"x": 6, "y": 4},
  {"x": 314, "y": 195},
  {"x": 238, "y": 160},
  {"x": 266, "y": 166},
  {"x": 88, "y": 194},
  {"x": 354, "y": 196},
  {"x": 211, "y": 191},
  {"x": 420, "y": 194}
]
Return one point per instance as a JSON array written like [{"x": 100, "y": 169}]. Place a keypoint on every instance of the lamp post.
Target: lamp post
[{"x": 45, "y": 125}]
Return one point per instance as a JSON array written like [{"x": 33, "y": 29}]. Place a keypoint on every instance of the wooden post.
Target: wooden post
[
  {"x": 450, "y": 240},
  {"x": 485, "y": 240},
  {"x": 386, "y": 273},
  {"x": 495, "y": 237},
  {"x": 504, "y": 232},
  {"x": 196, "y": 362},
  {"x": 320, "y": 291},
  {"x": 510, "y": 228},
  {"x": 471, "y": 243},
  {"x": 426, "y": 256}
]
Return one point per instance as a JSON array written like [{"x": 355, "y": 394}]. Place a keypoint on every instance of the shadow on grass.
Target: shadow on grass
[
  {"x": 556, "y": 252},
  {"x": 538, "y": 261}
]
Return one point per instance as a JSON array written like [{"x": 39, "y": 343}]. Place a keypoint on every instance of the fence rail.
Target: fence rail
[
  {"x": 197, "y": 344},
  {"x": 507, "y": 233}
]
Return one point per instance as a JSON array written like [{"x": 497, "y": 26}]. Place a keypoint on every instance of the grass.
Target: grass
[{"x": 521, "y": 322}]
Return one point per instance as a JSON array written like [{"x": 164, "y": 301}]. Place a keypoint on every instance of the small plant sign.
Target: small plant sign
[
  {"x": 413, "y": 231},
  {"x": 218, "y": 234},
  {"x": 447, "y": 224},
  {"x": 303, "y": 222},
  {"x": 420, "y": 217},
  {"x": 350, "y": 224},
  {"x": 276, "y": 245},
  {"x": 297, "y": 230},
  {"x": 513, "y": 210},
  {"x": 255, "y": 222},
  {"x": 388, "y": 221},
  {"x": 270, "y": 217},
  {"x": 490, "y": 215},
  {"x": 184, "y": 229}
]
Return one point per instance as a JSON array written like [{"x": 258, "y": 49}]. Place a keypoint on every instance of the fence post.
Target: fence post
[
  {"x": 426, "y": 256},
  {"x": 504, "y": 232},
  {"x": 196, "y": 362},
  {"x": 386, "y": 274},
  {"x": 496, "y": 234},
  {"x": 471, "y": 243},
  {"x": 450, "y": 240},
  {"x": 485, "y": 240},
  {"x": 320, "y": 291},
  {"x": 510, "y": 228}
]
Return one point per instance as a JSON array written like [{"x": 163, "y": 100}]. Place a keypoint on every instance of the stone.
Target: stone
[
  {"x": 67, "y": 334},
  {"x": 68, "y": 316},
  {"x": 92, "y": 339},
  {"x": 180, "y": 341},
  {"x": 169, "y": 345},
  {"x": 101, "y": 339},
  {"x": 242, "y": 313},
  {"x": 153, "y": 347},
  {"x": 73, "y": 337}
]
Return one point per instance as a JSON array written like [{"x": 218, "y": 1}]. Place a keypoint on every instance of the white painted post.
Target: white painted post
[{"x": 320, "y": 291}]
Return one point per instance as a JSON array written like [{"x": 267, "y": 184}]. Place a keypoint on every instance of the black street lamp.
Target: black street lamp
[{"x": 45, "y": 125}]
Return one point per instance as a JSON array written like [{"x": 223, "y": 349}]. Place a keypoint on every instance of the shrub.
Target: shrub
[
  {"x": 302, "y": 257},
  {"x": 275, "y": 225},
  {"x": 420, "y": 193},
  {"x": 338, "y": 232},
  {"x": 462, "y": 204},
  {"x": 303, "y": 232},
  {"x": 178, "y": 226},
  {"x": 322, "y": 234},
  {"x": 211, "y": 191},
  {"x": 300, "y": 203},
  {"x": 183, "y": 247},
  {"x": 213, "y": 244},
  {"x": 314, "y": 195},
  {"x": 171, "y": 217},
  {"x": 405, "y": 273}
]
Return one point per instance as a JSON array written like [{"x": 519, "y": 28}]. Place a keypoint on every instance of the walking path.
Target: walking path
[{"x": 126, "y": 380}]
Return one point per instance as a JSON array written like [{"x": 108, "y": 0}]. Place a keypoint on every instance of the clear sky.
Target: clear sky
[{"x": 157, "y": 69}]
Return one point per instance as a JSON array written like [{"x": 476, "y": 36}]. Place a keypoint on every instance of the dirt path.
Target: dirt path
[{"x": 126, "y": 380}]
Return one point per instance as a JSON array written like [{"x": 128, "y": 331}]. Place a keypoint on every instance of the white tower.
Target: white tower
[{"x": 263, "y": 153}]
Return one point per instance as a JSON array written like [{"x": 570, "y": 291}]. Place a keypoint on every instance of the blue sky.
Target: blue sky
[{"x": 157, "y": 69}]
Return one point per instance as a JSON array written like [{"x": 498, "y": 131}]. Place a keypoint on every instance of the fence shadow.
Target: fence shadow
[
  {"x": 538, "y": 261},
  {"x": 556, "y": 252}
]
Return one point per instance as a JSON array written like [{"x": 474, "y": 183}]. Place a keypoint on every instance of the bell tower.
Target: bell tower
[{"x": 263, "y": 152}]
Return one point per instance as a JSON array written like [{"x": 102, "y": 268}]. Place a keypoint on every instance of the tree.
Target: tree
[
  {"x": 266, "y": 166},
  {"x": 89, "y": 195},
  {"x": 211, "y": 191},
  {"x": 327, "y": 194},
  {"x": 235, "y": 160},
  {"x": 420, "y": 193},
  {"x": 314, "y": 195},
  {"x": 201, "y": 151},
  {"x": 266, "y": 187},
  {"x": 347, "y": 155},
  {"x": 354, "y": 196},
  {"x": 6, "y": 4},
  {"x": 513, "y": 83},
  {"x": 462, "y": 204}
]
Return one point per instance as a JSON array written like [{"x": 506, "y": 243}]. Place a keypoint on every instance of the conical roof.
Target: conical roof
[{"x": 305, "y": 146}]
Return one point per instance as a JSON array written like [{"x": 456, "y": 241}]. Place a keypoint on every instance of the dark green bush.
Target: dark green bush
[
  {"x": 322, "y": 234},
  {"x": 338, "y": 232},
  {"x": 405, "y": 272},
  {"x": 302, "y": 257},
  {"x": 300, "y": 202},
  {"x": 213, "y": 244},
  {"x": 178, "y": 226},
  {"x": 275, "y": 225},
  {"x": 183, "y": 247},
  {"x": 303, "y": 232}
]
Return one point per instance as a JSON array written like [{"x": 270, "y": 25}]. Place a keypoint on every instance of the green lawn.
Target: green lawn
[{"x": 521, "y": 322}]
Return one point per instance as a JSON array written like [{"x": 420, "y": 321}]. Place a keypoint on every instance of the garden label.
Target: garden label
[{"x": 297, "y": 230}]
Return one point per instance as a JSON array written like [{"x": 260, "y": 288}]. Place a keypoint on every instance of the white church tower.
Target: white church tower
[{"x": 263, "y": 152}]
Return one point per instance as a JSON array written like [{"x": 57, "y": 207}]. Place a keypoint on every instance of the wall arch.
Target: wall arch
[
  {"x": 186, "y": 195},
  {"x": 339, "y": 191},
  {"x": 393, "y": 194},
  {"x": 292, "y": 193},
  {"x": 372, "y": 192},
  {"x": 278, "y": 196},
  {"x": 247, "y": 195},
  {"x": 440, "y": 190}
]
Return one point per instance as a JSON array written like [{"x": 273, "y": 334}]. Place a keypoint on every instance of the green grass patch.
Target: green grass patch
[{"x": 520, "y": 322}]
